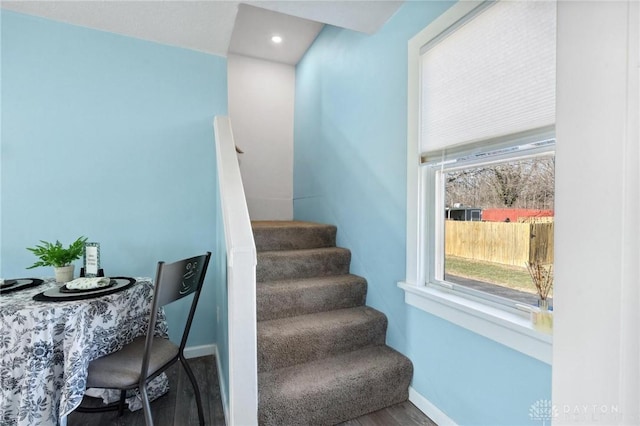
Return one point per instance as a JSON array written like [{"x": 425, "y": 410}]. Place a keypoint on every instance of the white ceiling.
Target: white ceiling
[
  {"x": 208, "y": 26},
  {"x": 254, "y": 28}
]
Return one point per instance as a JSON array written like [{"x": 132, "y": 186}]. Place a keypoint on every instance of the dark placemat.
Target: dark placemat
[
  {"x": 8, "y": 283},
  {"x": 21, "y": 284},
  {"x": 55, "y": 295}
]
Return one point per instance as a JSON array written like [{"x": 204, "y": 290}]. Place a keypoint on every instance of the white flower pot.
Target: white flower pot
[{"x": 64, "y": 274}]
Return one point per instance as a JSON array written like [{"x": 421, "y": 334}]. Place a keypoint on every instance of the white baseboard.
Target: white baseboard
[
  {"x": 223, "y": 387},
  {"x": 430, "y": 410},
  {"x": 202, "y": 350}
]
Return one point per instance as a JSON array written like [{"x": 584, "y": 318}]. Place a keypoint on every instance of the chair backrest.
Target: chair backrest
[
  {"x": 179, "y": 279},
  {"x": 175, "y": 281}
]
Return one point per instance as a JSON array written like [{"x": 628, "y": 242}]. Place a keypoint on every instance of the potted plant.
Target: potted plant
[{"x": 59, "y": 257}]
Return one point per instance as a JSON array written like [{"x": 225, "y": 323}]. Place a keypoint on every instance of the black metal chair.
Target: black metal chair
[{"x": 148, "y": 356}]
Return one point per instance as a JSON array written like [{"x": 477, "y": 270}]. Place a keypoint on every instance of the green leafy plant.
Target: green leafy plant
[{"x": 55, "y": 255}]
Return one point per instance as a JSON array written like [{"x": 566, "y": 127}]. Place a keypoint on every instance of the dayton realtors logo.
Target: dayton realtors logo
[{"x": 543, "y": 411}]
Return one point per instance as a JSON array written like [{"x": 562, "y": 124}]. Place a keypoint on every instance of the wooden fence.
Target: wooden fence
[{"x": 507, "y": 243}]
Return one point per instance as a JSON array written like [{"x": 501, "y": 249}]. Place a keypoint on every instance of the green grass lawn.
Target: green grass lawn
[{"x": 494, "y": 273}]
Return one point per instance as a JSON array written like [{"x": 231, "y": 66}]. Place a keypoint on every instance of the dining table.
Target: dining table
[{"x": 48, "y": 338}]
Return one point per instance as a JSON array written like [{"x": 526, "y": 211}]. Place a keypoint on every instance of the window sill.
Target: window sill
[{"x": 511, "y": 330}]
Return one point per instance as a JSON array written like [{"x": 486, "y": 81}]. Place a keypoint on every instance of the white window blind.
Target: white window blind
[{"x": 493, "y": 75}]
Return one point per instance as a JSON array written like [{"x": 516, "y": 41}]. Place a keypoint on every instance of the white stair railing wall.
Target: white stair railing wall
[{"x": 240, "y": 394}]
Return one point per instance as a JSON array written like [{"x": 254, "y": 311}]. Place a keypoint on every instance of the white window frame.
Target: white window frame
[
  {"x": 506, "y": 326},
  {"x": 534, "y": 144}
]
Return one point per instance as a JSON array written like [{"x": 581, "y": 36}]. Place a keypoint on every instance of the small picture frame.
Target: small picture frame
[{"x": 91, "y": 259}]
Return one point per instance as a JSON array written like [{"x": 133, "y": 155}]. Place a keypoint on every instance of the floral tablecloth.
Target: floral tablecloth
[{"x": 46, "y": 347}]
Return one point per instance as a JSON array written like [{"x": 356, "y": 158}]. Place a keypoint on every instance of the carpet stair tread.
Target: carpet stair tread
[
  {"x": 334, "y": 389},
  {"x": 306, "y": 263},
  {"x": 292, "y": 235},
  {"x": 295, "y": 340},
  {"x": 287, "y": 298}
]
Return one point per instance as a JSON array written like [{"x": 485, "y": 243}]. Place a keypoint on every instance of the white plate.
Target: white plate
[{"x": 54, "y": 294}]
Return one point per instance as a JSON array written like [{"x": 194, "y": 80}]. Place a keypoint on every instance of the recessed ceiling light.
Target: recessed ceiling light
[{"x": 276, "y": 39}]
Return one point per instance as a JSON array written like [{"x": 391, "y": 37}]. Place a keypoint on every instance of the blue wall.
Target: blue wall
[
  {"x": 350, "y": 170},
  {"x": 108, "y": 137}
]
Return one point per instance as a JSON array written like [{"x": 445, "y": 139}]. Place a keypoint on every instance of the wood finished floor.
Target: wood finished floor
[{"x": 178, "y": 406}]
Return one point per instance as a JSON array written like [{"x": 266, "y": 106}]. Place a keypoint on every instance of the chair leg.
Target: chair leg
[
  {"x": 148, "y": 419},
  {"x": 195, "y": 388},
  {"x": 123, "y": 396}
]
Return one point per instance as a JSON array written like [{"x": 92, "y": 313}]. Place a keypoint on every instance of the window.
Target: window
[
  {"x": 481, "y": 114},
  {"x": 491, "y": 214}
]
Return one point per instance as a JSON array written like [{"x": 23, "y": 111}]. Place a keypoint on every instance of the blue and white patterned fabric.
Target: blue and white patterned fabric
[{"x": 46, "y": 347}]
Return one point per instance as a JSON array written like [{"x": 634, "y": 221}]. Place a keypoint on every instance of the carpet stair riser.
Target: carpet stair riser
[
  {"x": 294, "y": 264},
  {"x": 296, "y": 340},
  {"x": 281, "y": 299}
]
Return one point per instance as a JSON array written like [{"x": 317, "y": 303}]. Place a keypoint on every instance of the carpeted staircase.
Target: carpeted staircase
[{"x": 322, "y": 357}]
